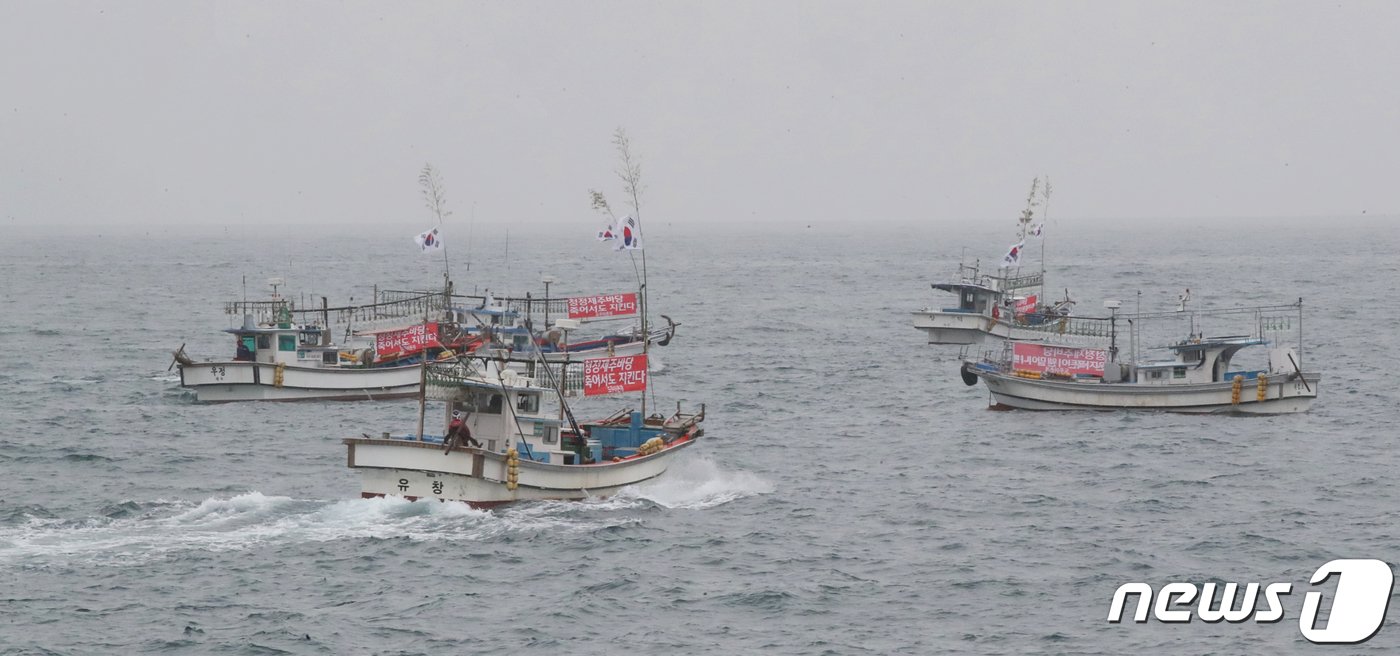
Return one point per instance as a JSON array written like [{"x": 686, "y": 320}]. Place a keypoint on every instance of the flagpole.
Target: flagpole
[
  {"x": 1044, "y": 221},
  {"x": 646, "y": 336}
]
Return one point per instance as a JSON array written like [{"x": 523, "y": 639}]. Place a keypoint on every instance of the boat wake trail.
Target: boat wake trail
[
  {"x": 135, "y": 532},
  {"x": 695, "y": 483},
  {"x": 145, "y": 532}
]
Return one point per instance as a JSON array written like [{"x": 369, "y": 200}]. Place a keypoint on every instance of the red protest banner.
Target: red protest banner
[
  {"x": 395, "y": 343},
  {"x": 626, "y": 373},
  {"x": 1026, "y": 305},
  {"x": 607, "y": 305},
  {"x": 1057, "y": 359}
]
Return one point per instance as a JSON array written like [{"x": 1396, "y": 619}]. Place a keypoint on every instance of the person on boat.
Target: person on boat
[
  {"x": 243, "y": 353},
  {"x": 458, "y": 432}
]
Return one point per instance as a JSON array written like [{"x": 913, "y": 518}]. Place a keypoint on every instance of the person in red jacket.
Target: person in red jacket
[{"x": 458, "y": 432}]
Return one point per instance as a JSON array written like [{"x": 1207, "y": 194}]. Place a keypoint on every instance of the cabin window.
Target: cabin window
[
  {"x": 528, "y": 403},
  {"x": 1178, "y": 372},
  {"x": 519, "y": 343},
  {"x": 286, "y": 342},
  {"x": 551, "y": 434},
  {"x": 490, "y": 445},
  {"x": 487, "y": 403},
  {"x": 245, "y": 349},
  {"x": 1156, "y": 375},
  {"x": 264, "y": 341},
  {"x": 329, "y": 357}
]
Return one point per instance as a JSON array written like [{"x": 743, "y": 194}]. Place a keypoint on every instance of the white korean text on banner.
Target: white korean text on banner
[
  {"x": 1058, "y": 359},
  {"x": 395, "y": 343},
  {"x": 626, "y": 373},
  {"x": 607, "y": 305}
]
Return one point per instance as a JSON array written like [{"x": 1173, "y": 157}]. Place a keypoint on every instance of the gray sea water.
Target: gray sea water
[{"x": 851, "y": 495}]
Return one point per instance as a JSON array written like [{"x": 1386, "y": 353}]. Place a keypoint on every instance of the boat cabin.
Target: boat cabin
[
  {"x": 1198, "y": 360},
  {"x": 972, "y": 299},
  {"x": 283, "y": 342},
  {"x": 503, "y": 324},
  {"x": 517, "y": 415}
]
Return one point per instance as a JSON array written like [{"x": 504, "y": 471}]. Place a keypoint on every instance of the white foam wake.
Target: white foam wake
[
  {"x": 250, "y": 520},
  {"x": 696, "y": 482}
]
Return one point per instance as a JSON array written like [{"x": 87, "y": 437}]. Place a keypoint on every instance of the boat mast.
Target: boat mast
[
  {"x": 1044, "y": 218},
  {"x": 435, "y": 197},
  {"x": 423, "y": 375},
  {"x": 1023, "y": 224},
  {"x": 631, "y": 175}
]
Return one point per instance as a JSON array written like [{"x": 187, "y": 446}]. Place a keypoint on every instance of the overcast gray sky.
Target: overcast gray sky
[{"x": 162, "y": 113}]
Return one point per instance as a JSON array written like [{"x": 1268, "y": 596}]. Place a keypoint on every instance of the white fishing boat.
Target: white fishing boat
[
  {"x": 1005, "y": 304},
  {"x": 503, "y": 443},
  {"x": 1201, "y": 376},
  {"x": 286, "y": 354},
  {"x": 997, "y": 306},
  {"x": 508, "y": 323}
]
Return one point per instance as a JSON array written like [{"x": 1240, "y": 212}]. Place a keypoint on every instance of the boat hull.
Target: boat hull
[
  {"x": 630, "y": 348},
  {"x": 1282, "y": 395},
  {"x": 960, "y": 328},
  {"x": 421, "y": 470},
  {"x": 222, "y": 382}
]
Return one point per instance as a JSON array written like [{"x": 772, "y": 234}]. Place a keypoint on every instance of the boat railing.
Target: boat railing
[
  {"x": 527, "y": 305},
  {"x": 1097, "y": 327},
  {"x": 262, "y": 310},
  {"x": 455, "y": 376},
  {"x": 1021, "y": 282},
  {"x": 570, "y": 377},
  {"x": 388, "y": 305},
  {"x": 969, "y": 275},
  {"x": 1286, "y": 312}
]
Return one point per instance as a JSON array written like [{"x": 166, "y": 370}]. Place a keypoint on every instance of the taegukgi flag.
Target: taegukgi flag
[
  {"x": 430, "y": 241},
  {"x": 628, "y": 235},
  {"x": 1013, "y": 256},
  {"x": 608, "y": 233}
]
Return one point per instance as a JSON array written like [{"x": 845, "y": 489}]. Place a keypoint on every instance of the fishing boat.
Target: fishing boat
[
  {"x": 1004, "y": 304},
  {"x": 1201, "y": 376},
  {"x": 502, "y": 442},
  {"x": 998, "y": 306},
  {"x": 283, "y": 353},
  {"x": 509, "y": 323}
]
